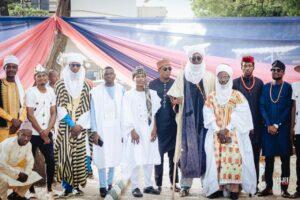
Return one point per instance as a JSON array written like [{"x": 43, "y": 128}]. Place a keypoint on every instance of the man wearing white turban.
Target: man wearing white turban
[
  {"x": 230, "y": 162},
  {"x": 73, "y": 113},
  {"x": 188, "y": 94},
  {"x": 12, "y": 108}
]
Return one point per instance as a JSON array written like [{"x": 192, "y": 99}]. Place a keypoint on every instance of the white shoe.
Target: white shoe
[{"x": 32, "y": 196}]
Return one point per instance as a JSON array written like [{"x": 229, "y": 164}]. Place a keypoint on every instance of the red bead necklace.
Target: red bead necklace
[{"x": 245, "y": 86}]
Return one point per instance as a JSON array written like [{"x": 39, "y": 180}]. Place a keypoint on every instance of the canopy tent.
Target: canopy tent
[{"x": 127, "y": 42}]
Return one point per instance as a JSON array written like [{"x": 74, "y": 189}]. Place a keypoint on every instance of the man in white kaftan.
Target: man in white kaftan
[
  {"x": 230, "y": 161},
  {"x": 139, "y": 107},
  {"x": 16, "y": 164},
  {"x": 106, "y": 101}
]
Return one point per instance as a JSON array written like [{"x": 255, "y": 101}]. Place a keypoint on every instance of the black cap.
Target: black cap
[{"x": 279, "y": 64}]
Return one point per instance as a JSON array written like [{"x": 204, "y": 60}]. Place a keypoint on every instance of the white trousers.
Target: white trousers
[{"x": 147, "y": 170}]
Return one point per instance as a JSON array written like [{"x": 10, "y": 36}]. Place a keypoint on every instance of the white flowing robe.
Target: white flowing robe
[
  {"x": 134, "y": 116},
  {"x": 108, "y": 125},
  {"x": 241, "y": 120},
  {"x": 15, "y": 159},
  {"x": 177, "y": 90}
]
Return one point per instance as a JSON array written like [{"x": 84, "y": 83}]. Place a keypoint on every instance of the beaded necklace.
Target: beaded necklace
[{"x": 245, "y": 86}]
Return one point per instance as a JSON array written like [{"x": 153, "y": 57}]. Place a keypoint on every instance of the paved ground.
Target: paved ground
[{"x": 92, "y": 192}]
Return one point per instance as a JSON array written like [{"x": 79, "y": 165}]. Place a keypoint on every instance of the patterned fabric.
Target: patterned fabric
[
  {"x": 228, "y": 160},
  {"x": 227, "y": 156},
  {"x": 149, "y": 105},
  {"x": 70, "y": 153}
]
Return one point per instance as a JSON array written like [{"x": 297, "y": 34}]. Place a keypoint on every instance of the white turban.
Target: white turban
[
  {"x": 74, "y": 81},
  {"x": 10, "y": 59},
  {"x": 75, "y": 57},
  {"x": 194, "y": 73},
  {"x": 223, "y": 92}
]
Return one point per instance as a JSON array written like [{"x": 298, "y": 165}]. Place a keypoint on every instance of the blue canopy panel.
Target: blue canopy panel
[
  {"x": 13, "y": 26},
  {"x": 266, "y": 38}
]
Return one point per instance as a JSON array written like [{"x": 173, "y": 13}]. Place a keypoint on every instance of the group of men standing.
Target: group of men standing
[{"x": 211, "y": 127}]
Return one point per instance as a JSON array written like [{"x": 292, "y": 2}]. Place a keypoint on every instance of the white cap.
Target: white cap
[
  {"x": 26, "y": 125},
  {"x": 10, "y": 59},
  {"x": 39, "y": 69}
]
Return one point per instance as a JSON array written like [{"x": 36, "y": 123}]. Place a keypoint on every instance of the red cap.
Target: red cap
[{"x": 248, "y": 59}]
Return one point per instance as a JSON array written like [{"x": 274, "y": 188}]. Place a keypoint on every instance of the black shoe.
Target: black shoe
[
  {"x": 234, "y": 195},
  {"x": 109, "y": 187},
  {"x": 285, "y": 194},
  {"x": 159, "y": 189},
  {"x": 265, "y": 192},
  {"x": 216, "y": 195},
  {"x": 296, "y": 195},
  {"x": 103, "y": 192},
  {"x": 184, "y": 192},
  {"x": 137, "y": 193},
  {"x": 12, "y": 196},
  {"x": 15, "y": 196},
  {"x": 151, "y": 190}
]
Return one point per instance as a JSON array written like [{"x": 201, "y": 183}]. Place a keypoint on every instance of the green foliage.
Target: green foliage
[
  {"x": 245, "y": 8},
  {"x": 16, "y": 9}
]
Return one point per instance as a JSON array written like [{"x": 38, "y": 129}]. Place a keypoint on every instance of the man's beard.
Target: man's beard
[{"x": 277, "y": 78}]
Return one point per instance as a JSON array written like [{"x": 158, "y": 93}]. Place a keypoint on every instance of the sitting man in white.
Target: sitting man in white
[{"x": 16, "y": 164}]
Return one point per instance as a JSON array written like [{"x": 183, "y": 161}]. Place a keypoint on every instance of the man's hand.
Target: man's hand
[
  {"x": 12, "y": 130},
  {"x": 272, "y": 130},
  {"x": 135, "y": 138},
  {"x": 293, "y": 137},
  {"x": 176, "y": 101},
  {"x": 16, "y": 123},
  {"x": 95, "y": 138},
  {"x": 22, "y": 177},
  {"x": 76, "y": 130},
  {"x": 153, "y": 135},
  {"x": 221, "y": 137}
]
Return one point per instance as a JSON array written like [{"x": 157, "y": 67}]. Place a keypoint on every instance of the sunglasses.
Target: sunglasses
[
  {"x": 167, "y": 68},
  {"x": 75, "y": 65},
  {"x": 276, "y": 70},
  {"x": 196, "y": 58}
]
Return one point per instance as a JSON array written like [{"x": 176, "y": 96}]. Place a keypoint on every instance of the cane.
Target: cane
[{"x": 174, "y": 178}]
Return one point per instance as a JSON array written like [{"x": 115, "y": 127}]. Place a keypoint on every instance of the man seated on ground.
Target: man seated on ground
[{"x": 16, "y": 164}]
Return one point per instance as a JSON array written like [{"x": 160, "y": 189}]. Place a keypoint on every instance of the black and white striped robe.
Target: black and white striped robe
[{"x": 70, "y": 152}]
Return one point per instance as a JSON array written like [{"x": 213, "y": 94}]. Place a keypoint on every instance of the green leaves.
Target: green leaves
[{"x": 245, "y": 8}]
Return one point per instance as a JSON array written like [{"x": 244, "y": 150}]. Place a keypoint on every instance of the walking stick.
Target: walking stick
[{"x": 174, "y": 178}]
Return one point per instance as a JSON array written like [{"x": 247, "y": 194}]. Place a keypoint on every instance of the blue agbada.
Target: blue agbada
[
  {"x": 193, "y": 157},
  {"x": 165, "y": 116},
  {"x": 276, "y": 113}
]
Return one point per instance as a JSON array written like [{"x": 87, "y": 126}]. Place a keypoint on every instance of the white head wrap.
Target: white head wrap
[
  {"x": 223, "y": 92},
  {"x": 10, "y": 59},
  {"x": 194, "y": 73},
  {"x": 74, "y": 81}
]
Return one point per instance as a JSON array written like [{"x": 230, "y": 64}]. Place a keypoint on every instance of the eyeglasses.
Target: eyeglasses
[
  {"x": 197, "y": 58},
  {"x": 75, "y": 65},
  {"x": 276, "y": 70},
  {"x": 167, "y": 68}
]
